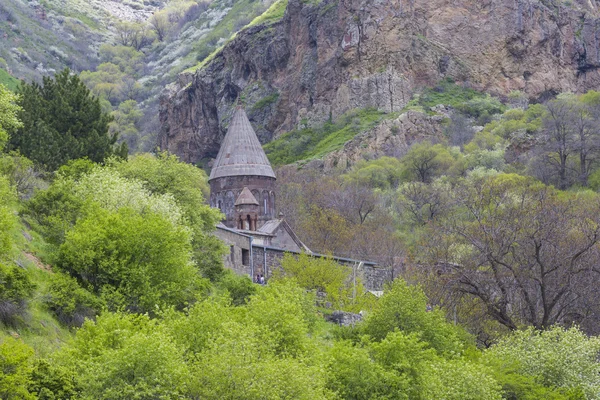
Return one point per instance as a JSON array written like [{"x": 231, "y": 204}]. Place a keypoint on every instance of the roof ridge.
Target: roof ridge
[{"x": 241, "y": 153}]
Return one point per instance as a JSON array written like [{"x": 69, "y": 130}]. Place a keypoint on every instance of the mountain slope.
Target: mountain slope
[{"x": 326, "y": 58}]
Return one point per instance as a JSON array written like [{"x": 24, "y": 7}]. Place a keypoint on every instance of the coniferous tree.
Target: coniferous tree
[{"x": 61, "y": 121}]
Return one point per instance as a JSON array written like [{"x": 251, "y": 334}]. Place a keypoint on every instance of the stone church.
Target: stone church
[{"x": 242, "y": 186}]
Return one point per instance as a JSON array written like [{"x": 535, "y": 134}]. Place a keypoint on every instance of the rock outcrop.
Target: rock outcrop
[{"x": 325, "y": 59}]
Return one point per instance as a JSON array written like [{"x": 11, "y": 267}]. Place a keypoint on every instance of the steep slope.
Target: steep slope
[
  {"x": 41, "y": 37},
  {"x": 326, "y": 58}
]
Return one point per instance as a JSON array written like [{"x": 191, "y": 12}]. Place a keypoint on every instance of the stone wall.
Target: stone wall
[{"x": 373, "y": 276}]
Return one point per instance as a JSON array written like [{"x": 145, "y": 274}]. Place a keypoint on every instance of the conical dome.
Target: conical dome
[{"x": 241, "y": 153}]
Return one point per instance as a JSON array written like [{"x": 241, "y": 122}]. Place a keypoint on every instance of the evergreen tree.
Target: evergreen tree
[{"x": 62, "y": 121}]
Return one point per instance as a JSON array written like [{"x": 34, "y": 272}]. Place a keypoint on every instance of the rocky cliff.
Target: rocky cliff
[{"x": 325, "y": 58}]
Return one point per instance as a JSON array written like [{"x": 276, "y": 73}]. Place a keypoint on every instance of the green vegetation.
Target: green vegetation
[
  {"x": 8, "y": 80},
  {"x": 226, "y": 30},
  {"x": 272, "y": 15},
  {"x": 466, "y": 100},
  {"x": 8, "y": 114},
  {"x": 265, "y": 102},
  {"x": 62, "y": 122},
  {"x": 308, "y": 143}
]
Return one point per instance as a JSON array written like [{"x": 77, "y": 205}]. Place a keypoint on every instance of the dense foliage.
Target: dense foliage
[
  {"x": 112, "y": 286},
  {"x": 62, "y": 121}
]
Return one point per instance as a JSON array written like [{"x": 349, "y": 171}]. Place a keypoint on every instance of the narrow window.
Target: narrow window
[
  {"x": 232, "y": 254},
  {"x": 245, "y": 257}
]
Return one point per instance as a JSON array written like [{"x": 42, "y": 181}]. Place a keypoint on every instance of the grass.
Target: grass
[
  {"x": 469, "y": 102},
  {"x": 265, "y": 102},
  {"x": 8, "y": 80},
  {"x": 311, "y": 143},
  {"x": 272, "y": 15},
  {"x": 226, "y": 27},
  {"x": 38, "y": 327},
  {"x": 446, "y": 92}
]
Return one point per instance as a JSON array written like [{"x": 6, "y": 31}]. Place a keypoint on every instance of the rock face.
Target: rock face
[
  {"x": 389, "y": 138},
  {"x": 322, "y": 60}
]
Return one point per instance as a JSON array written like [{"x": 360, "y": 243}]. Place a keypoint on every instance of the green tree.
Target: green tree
[
  {"x": 16, "y": 365},
  {"x": 123, "y": 356},
  {"x": 164, "y": 174},
  {"x": 323, "y": 275},
  {"x": 15, "y": 289},
  {"x": 425, "y": 161},
  {"x": 7, "y": 218},
  {"x": 71, "y": 303},
  {"x": 9, "y": 110},
  {"x": 52, "y": 381},
  {"x": 352, "y": 373},
  {"x": 405, "y": 307},
  {"x": 62, "y": 121},
  {"x": 135, "y": 261},
  {"x": 557, "y": 357}
]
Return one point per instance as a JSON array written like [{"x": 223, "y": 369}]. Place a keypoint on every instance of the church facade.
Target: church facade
[{"x": 242, "y": 186}]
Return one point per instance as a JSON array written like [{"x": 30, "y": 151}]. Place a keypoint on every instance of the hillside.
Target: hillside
[
  {"x": 326, "y": 58},
  {"x": 454, "y": 146}
]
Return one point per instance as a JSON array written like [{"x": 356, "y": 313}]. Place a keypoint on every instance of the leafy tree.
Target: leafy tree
[
  {"x": 52, "y": 381},
  {"x": 285, "y": 314},
  {"x": 123, "y": 356},
  {"x": 557, "y": 357},
  {"x": 239, "y": 288},
  {"x": 62, "y": 121},
  {"x": 425, "y": 161},
  {"x": 69, "y": 301},
  {"x": 324, "y": 275},
  {"x": 382, "y": 173},
  {"x": 9, "y": 110},
  {"x": 239, "y": 364},
  {"x": 458, "y": 380},
  {"x": 352, "y": 373},
  {"x": 16, "y": 364},
  {"x": 135, "y": 261},
  {"x": 196, "y": 327},
  {"x": 525, "y": 251},
  {"x": 7, "y": 218},
  {"x": 404, "y": 307},
  {"x": 165, "y": 175}
]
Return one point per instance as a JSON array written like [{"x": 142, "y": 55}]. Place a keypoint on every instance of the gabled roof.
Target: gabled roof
[
  {"x": 241, "y": 153},
  {"x": 270, "y": 228},
  {"x": 246, "y": 197}
]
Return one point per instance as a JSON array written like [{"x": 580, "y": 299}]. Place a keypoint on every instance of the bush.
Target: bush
[
  {"x": 7, "y": 217},
  {"x": 52, "y": 382},
  {"x": 404, "y": 307},
  {"x": 71, "y": 304},
  {"x": 558, "y": 357},
  {"x": 15, "y": 289},
  {"x": 136, "y": 261},
  {"x": 16, "y": 364},
  {"x": 240, "y": 288}
]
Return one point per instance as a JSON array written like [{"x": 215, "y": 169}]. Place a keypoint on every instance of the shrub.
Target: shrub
[
  {"x": 16, "y": 364},
  {"x": 71, "y": 304},
  {"x": 15, "y": 289}
]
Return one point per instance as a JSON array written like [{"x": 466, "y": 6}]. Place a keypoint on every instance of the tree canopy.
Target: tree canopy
[{"x": 62, "y": 121}]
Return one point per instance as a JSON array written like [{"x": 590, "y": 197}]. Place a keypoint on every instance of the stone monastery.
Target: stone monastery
[{"x": 242, "y": 186}]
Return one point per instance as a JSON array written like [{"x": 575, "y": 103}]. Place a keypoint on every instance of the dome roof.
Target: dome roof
[{"x": 241, "y": 153}]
